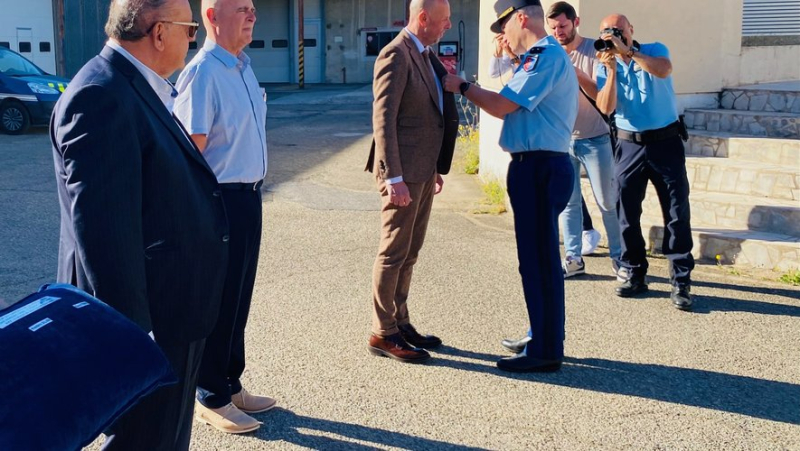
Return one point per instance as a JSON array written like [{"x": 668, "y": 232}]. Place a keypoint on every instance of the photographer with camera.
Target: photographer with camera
[{"x": 635, "y": 81}]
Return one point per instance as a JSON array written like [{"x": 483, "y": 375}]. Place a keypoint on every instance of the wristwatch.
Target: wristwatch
[
  {"x": 515, "y": 60},
  {"x": 631, "y": 51},
  {"x": 464, "y": 86}
]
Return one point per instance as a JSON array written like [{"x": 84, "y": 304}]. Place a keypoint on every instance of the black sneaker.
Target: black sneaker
[
  {"x": 632, "y": 287},
  {"x": 682, "y": 297}
]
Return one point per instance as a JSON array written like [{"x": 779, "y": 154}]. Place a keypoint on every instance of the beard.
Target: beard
[{"x": 568, "y": 40}]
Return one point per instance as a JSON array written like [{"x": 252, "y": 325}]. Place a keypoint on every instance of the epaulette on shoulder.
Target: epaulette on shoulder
[{"x": 536, "y": 50}]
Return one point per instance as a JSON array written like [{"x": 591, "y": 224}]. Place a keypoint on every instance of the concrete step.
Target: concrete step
[
  {"x": 751, "y": 123},
  {"x": 742, "y": 248},
  {"x": 723, "y": 175},
  {"x": 785, "y": 152},
  {"x": 773, "y": 97},
  {"x": 726, "y": 211}
]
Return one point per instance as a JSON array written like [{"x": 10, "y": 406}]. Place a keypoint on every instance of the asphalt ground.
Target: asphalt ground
[{"x": 639, "y": 374}]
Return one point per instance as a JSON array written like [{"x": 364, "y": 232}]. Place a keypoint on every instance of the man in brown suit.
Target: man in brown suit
[{"x": 414, "y": 126}]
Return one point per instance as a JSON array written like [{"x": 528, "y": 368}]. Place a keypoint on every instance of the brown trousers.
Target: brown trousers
[{"x": 402, "y": 234}]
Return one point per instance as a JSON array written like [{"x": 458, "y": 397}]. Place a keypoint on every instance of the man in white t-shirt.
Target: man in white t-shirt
[{"x": 591, "y": 144}]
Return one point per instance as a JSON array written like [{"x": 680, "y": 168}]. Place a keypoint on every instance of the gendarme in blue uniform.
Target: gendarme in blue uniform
[
  {"x": 652, "y": 153},
  {"x": 546, "y": 87},
  {"x": 644, "y": 101},
  {"x": 540, "y": 180}
]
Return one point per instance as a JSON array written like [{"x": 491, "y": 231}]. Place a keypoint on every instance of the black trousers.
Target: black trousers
[
  {"x": 162, "y": 421},
  {"x": 664, "y": 164},
  {"x": 539, "y": 187},
  {"x": 224, "y": 356}
]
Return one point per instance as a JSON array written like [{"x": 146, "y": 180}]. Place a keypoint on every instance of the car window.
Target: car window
[{"x": 14, "y": 65}]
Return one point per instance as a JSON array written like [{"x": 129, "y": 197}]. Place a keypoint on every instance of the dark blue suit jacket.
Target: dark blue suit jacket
[{"x": 143, "y": 224}]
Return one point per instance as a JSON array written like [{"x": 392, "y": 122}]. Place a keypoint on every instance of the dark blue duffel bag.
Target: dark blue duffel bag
[{"x": 69, "y": 366}]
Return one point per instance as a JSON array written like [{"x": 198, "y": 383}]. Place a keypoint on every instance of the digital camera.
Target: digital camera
[{"x": 604, "y": 45}]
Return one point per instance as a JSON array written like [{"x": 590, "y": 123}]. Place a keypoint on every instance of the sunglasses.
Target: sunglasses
[{"x": 191, "y": 26}]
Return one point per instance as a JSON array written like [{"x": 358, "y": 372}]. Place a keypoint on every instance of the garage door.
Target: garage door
[
  {"x": 270, "y": 50},
  {"x": 27, "y": 27}
]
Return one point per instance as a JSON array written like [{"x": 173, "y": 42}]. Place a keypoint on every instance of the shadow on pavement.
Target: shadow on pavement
[
  {"x": 299, "y": 430},
  {"x": 706, "y": 303},
  {"x": 758, "y": 398}
]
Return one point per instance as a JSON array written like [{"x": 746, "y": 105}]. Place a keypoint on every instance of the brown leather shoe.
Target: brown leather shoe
[
  {"x": 396, "y": 348},
  {"x": 414, "y": 338}
]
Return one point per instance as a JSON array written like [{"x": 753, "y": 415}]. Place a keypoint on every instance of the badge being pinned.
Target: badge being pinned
[{"x": 529, "y": 63}]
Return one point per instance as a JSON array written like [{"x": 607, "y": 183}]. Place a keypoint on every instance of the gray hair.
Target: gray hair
[
  {"x": 533, "y": 11},
  {"x": 129, "y": 20}
]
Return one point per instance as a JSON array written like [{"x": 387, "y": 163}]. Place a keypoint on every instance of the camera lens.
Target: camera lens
[{"x": 602, "y": 45}]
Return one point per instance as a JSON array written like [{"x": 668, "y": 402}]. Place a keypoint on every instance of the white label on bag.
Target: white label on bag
[
  {"x": 81, "y": 304},
  {"x": 40, "y": 324},
  {"x": 10, "y": 318}
]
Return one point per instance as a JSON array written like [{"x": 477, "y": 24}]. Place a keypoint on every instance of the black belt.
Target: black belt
[
  {"x": 534, "y": 154},
  {"x": 650, "y": 136},
  {"x": 254, "y": 186}
]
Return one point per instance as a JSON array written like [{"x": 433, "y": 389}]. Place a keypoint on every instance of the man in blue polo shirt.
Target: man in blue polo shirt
[
  {"x": 539, "y": 106},
  {"x": 635, "y": 80}
]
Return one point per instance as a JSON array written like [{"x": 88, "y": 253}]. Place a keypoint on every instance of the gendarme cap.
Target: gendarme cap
[{"x": 504, "y": 8}]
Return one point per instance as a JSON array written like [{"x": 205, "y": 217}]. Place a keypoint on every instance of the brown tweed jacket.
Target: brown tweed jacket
[{"x": 410, "y": 136}]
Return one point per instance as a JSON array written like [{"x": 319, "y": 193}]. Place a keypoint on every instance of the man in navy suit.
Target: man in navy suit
[{"x": 143, "y": 224}]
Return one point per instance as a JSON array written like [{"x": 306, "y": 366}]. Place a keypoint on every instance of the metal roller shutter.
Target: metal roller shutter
[{"x": 771, "y": 18}]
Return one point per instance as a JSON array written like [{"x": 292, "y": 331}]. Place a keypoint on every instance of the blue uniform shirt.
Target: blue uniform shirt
[
  {"x": 644, "y": 101},
  {"x": 219, "y": 97},
  {"x": 546, "y": 88}
]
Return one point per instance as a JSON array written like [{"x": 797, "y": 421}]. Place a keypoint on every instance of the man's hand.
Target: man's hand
[
  {"x": 398, "y": 194},
  {"x": 609, "y": 59},
  {"x": 619, "y": 47},
  {"x": 501, "y": 46},
  {"x": 439, "y": 184},
  {"x": 452, "y": 83}
]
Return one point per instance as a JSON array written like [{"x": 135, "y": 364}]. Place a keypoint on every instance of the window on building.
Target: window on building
[
  {"x": 310, "y": 42},
  {"x": 280, "y": 44},
  {"x": 5, "y": 44},
  {"x": 377, "y": 40},
  {"x": 44, "y": 47},
  {"x": 24, "y": 47},
  {"x": 257, "y": 44}
]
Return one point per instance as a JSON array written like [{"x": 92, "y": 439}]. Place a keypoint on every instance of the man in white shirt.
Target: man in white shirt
[{"x": 225, "y": 110}]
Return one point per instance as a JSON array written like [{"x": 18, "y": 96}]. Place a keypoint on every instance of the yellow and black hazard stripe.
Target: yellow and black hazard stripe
[{"x": 60, "y": 86}]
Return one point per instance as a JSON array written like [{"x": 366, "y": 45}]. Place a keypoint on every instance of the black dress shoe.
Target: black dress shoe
[
  {"x": 681, "y": 297},
  {"x": 632, "y": 287},
  {"x": 525, "y": 364},
  {"x": 414, "y": 338},
  {"x": 515, "y": 346}
]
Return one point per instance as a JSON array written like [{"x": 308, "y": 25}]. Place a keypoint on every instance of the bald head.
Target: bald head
[
  {"x": 429, "y": 19},
  {"x": 615, "y": 21},
  {"x": 417, "y": 6}
]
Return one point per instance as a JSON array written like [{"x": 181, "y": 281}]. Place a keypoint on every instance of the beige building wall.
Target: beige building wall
[{"x": 705, "y": 43}]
